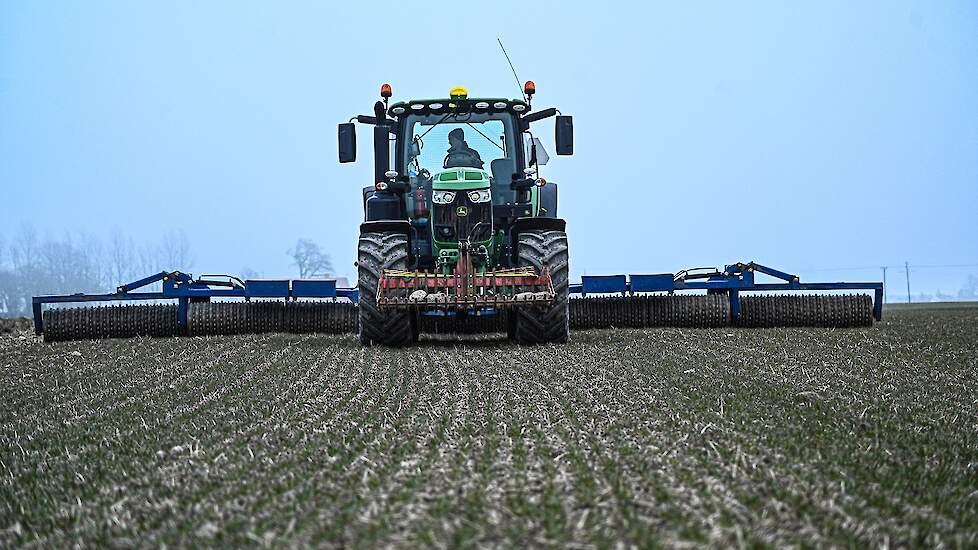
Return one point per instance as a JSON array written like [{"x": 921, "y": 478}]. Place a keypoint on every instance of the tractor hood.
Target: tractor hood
[{"x": 460, "y": 179}]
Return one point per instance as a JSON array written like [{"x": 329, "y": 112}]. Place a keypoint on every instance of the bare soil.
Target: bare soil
[{"x": 671, "y": 436}]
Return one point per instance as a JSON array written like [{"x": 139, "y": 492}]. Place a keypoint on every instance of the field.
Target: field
[{"x": 671, "y": 436}]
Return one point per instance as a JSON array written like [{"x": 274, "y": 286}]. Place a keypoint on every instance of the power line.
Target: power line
[
  {"x": 912, "y": 266},
  {"x": 906, "y": 270},
  {"x": 863, "y": 268},
  {"x": 938, "y": 266}
]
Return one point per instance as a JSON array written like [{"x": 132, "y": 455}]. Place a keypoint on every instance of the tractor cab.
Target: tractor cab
[
  {"x": 431, "y": 143},
  {"x": 457, "y": 166},
  {"x": 467, "y": 153}
]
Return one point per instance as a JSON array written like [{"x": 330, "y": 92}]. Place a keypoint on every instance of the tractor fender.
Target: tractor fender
[
  {"x": 402, "y": 227},
  {"x": 386, "y": 226},
  {"x": 539, "y": 223},
  {"x": 368, "y": 192}
]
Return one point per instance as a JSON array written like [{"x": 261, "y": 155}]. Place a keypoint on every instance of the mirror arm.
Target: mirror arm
[
  {"x": 367, "y": 119},
  {"x": 537, "y": 115}
]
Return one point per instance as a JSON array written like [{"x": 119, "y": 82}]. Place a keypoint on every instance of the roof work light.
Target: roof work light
[{"x": 459, "y": 92}]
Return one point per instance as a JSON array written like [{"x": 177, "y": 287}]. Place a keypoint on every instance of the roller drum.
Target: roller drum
[
  {"x": 320, "y": 317},
  {"x": 228, "y": 318},
  {"x": 688, "y": 310},
  {"x": 828, "y": 310},
  {"x": 126, "y": 321}
]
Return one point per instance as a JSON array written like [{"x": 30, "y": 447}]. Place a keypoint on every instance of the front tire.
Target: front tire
[
  {"x": 375, "y": 253},
  {"x": 545, "y": 250}
]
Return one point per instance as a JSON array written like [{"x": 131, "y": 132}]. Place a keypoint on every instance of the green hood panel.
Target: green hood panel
[{"x": 460, "y": 179}]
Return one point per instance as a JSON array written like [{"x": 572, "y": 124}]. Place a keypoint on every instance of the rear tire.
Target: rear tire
[
  {"x": 375, "y": 253},
  {"x": 545, "y": 250}
]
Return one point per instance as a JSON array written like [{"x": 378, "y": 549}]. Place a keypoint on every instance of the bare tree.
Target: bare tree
[
  {"x": 92, "y": 268},
  {"x": 79, "y": 262},
  {"x": 69, "y": 264},
  {"x": 5, "y": 278},
  {"x": 175, "y": 251},
  {"x": 969, "y": 291},
  {"x": 248, "y": 273},
  {"x": 310, "y": 260},
  {"x": 24, "y": 248},
  {"x": 121, "y": 257},
  {"x": 148, "y": 259}
]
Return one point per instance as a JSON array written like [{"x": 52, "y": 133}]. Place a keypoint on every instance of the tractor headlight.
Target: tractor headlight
[
  {"x": 479, "y": 195},
  {"x": 443, "y": 197}
]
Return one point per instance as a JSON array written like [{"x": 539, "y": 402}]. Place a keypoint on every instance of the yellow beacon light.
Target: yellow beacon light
[{"x": 459, "y": 92}]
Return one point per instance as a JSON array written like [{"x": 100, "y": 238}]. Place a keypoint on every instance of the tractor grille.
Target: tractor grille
[{"x": 476, "y": 224}]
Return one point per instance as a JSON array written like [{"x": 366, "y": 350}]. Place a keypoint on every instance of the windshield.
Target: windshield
[{"x": 438, "y": 142}]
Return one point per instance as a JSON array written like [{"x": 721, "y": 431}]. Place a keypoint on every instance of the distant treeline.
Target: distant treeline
[
  {"x": 967, "y": 293},
  {"x": 78, "y": 262},
  {"x": 31, "y": 265}
]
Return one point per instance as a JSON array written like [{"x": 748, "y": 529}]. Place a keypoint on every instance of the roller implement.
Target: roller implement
[
  {"x": 732, "y": 297},
  {"x": 188, "y": 306},
  {"x": 460, "y": 235}
]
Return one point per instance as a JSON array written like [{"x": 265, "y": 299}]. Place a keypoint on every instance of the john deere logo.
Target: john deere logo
[{"x": 462, "y": 211}]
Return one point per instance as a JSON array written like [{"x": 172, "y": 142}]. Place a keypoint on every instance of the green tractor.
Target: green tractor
[{"x": 461, "y": 226}]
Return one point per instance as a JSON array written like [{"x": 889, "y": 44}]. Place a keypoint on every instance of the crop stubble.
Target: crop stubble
[{"x": 678, "y": 435}]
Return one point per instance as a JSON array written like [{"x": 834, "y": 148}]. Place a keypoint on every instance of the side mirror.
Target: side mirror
[
  {"x": 564, "y": 135},
  {"x": 347, "y": 138}
]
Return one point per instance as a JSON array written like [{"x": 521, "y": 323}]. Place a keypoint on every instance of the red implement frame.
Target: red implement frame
[{"x": 465, "y": 288}]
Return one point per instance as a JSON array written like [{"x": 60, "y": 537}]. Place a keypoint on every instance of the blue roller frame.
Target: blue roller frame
[
  {"x": 185, "y": 289},
  {"x": 732, "y": 280}
]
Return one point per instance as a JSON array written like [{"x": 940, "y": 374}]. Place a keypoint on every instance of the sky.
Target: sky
[{"x": 809, "y": 136}]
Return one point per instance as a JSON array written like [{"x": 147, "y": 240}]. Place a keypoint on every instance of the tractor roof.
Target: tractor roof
[{"x": 445, "y": 105}]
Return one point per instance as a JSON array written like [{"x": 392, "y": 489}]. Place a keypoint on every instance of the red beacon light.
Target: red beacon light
[
  {"x": 529, "y": 88},
  {"x": 385, "y": 91}
]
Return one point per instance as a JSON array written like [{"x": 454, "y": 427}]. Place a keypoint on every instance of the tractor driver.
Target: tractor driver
[{"x": 459, "y": 152}]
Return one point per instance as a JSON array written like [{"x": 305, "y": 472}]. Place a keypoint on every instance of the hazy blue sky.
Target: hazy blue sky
[{"x": 803, "y": 135}]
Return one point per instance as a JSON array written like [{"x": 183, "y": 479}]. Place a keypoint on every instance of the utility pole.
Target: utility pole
[
  {"x": 906, "y": 265},
  {"x": 884, "y": 283}
]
